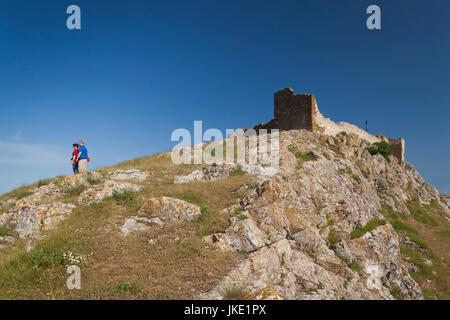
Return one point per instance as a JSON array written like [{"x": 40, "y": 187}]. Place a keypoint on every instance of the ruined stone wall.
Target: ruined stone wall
[
  {"x": 331, "y": 128},
  {"x": 294, "y": 111},
  {"x": 300, "y": 111},
  {"x": 398, "y": 148}
]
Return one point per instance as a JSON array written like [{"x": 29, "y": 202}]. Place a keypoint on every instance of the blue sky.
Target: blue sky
[{"x": 137, "y": 70}]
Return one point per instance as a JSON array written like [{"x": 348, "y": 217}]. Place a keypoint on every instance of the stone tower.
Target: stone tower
[
  {"x": 292, "y": 111},
  {"x": 300, "y": 112}
]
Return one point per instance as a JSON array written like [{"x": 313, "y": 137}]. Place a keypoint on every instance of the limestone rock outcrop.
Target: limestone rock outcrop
[
  {"x": 47, "y": 191},
  {"x": 28, "y": 219},
  {"x": 104, "y": 190},
  {"x": 136, "y": 223},
  {"x": 166, "y": 209},
  {"x": 82, "y": 178},
  {"x": 130, "y": 174},
  {"x": 297, "y": 226},
  {"x": 223, "y": 170}
]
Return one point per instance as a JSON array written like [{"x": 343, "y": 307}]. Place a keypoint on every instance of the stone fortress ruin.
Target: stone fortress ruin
[{"x": 300, "y": 111}]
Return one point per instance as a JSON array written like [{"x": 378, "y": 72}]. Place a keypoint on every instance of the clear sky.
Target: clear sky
[{"x": 137, "y": 70}]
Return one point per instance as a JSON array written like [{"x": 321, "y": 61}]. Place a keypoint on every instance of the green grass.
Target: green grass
[
  {"x": 336, "y": 148},
  {"x": 204, "y": 213},
  {"x": 76, "y": 190},
  {"x": 393, "y": 215},
  {"x": 237, "y": 171},
  {"x": 419, "y": 214},
  {"x": 370, "y": 226},
  {"x": 93, "y": 180},
  {"x": 124, "y": 287},
  {"x": 330, "y": 221},
  {"x": 341, "y": 171},
  {"x": 344, "y": 259},
  {"x": 323, "y": 186},
  {"x": 395, "y": 291},
  {"x": 5, "y": 231},
  {"x": 354, "y": 265},
  {"x": 23, "y": 194},
  {"x": 416, "y": 257},
  {"x": 176, "y": 268},
  {"x": 192, "y": 198},
  {"x": 418, "y": 226},
  {"x": 304, "y": 156},
  {"x": 382, "y": 148},
  {"x": 43, "y": 182},
  {"x": 124, "y": 197},
  {"x": 333, "y": 238},
  {"x": 356, "y": 177},
  {"x": 18, "y": 193},
  {"x": 235, "y": 292},
  {"x": 42, "y": 257},
  {"x": 400, "y": 226},
  {"x": 430, "y": 294},
  {"x": 444, "y": 233},
  {"x": 24, "y": 270}
]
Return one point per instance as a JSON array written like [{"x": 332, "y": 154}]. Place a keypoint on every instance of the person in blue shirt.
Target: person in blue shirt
[{"x": 82, "y": 157}]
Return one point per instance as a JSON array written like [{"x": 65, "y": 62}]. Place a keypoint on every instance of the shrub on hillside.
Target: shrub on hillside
[
  {"x": 382, "y": 148},
  {"x": 124, "y": 196}
]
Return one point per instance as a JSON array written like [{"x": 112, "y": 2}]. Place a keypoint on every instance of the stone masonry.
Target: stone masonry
[
  {"x": 398, "y": 148},
  {"x": 300, "y": 111},
  {"x": 292, "y": 111}
]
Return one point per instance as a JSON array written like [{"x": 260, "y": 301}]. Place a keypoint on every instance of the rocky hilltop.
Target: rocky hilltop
[
  {"x": 338, "y": 219},
  {"x": 320, "y": 229}
]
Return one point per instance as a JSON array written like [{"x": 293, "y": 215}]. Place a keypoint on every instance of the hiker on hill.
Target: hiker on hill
[
  {"x": 75, "y": 158},
  {"x": 82, "y": 157}
]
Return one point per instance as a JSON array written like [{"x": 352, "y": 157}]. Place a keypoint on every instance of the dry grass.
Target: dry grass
[
  {"x": 176, "y": 265},
  {"x": 428, "y": 228}
]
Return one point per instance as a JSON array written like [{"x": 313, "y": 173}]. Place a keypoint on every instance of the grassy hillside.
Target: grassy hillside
[
  {"x": 175, "y": 265},
  {"x": 429, "y": 233},
  {"x": 172, "y": 262}
]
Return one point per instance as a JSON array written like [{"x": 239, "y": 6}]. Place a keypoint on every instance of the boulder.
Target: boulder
[
  {"x": 220, "y": 241},
  {"x": 47, "y": 191},
  {"x": 167, "y": 209},
  {"x": 81, "y": 178},
  {"x": 28, "y": 219},
  {"x": 105, "y": 190},
  {"x": 134, "y": 224},
  {"x": 265, "y": 294},
  {"x": 223, "y": 170},
  {"x": 131, "y": 174},
  {"x": 213, "y": 172},
  {"x": 245, "y": 235}
]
